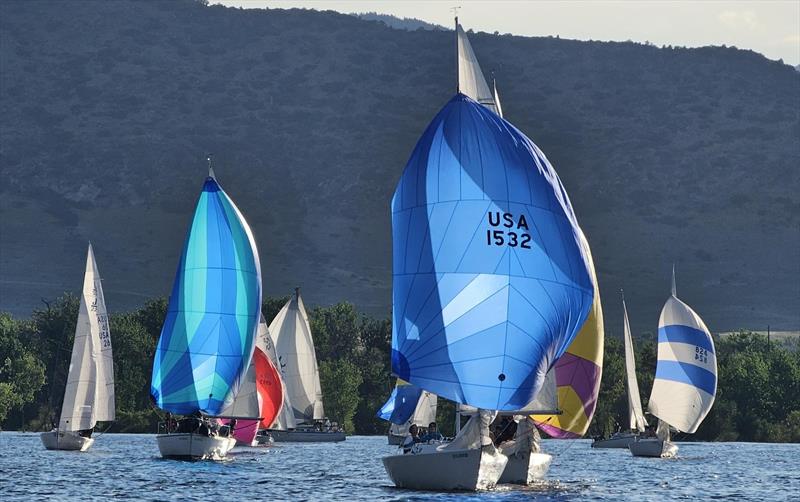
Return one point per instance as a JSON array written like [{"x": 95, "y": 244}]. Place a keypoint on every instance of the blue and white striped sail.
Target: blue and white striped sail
[
  {"x": 490, "y": 280},
  {"x": 686, "y": 372},
  {"x": 209, "y": 333}
]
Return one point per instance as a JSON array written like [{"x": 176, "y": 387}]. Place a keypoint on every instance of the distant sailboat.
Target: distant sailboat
[
  {"x": 407, "y": 405},
  {"x": 294, "y": 346},
  {"x": 686, "y": 377},
  {"x": 261, "y": 395},
  {"x": 636, "y": 421},
  {"x": 209, "y": 332},
  {"x": 89, "y": 394},
  {"x": 490, "y": 284}
]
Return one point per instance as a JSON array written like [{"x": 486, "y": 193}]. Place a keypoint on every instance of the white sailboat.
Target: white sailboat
[
  {"x": 636, "y": 420},
  {"x": 297, "y": 358},
  {"x": 424, "y": 413},
  {"x": 89, "y": 394},
  {"x": 686, "y": 377}
]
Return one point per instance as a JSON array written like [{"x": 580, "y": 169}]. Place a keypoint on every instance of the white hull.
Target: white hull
[
  {"x": 302, "y": 436},
  {"x": 615, "y": 441},
  {"x": 653, "y": 448},
  {"x": 446, "y": 470},
  {"x": 525, "y": 468},
  {"x": 57, "y": 440},
  {"x": 193, "y": 446}
]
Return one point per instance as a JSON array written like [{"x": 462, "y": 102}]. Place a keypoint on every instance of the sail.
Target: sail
[
  {"x": 298, "y": 359},
  {"x": 408, "y": 404},
  {"x": 268, "y": 380},
  {"x": 208, "y": 335},
  {"x": 246, "y": 403},
  {"x": 497, "y": 105},
  {"x": 578, "y": 372},
  {"x": 471, "y": 81},
  {"x": 635, "y": 415},
  {"x": 686, "y": 370},
  {"x": 490, "y": 280},
  {"x": 285, "y": 418},
  {"x": 470, "y": 77},
  {"x": 89, "y": 393}
]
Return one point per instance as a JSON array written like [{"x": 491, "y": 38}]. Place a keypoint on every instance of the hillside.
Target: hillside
[{"x": 107, "y": 110}]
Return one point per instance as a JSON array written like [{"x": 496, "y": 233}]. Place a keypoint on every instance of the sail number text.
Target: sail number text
[
  {"x": 507, "y": 230},
  {"x": 701, "y": 354}
]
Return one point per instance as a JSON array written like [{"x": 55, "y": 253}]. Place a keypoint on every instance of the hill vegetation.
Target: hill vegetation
[
  {"x": 758, "y": 397},
  {"x": 108, "y": 109}
]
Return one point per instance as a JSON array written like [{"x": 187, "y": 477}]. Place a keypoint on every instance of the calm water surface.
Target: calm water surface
[{"x": 128, "y": 466}]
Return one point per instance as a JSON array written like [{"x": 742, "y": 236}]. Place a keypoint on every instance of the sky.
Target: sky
[{"x": 771, "y": 27}]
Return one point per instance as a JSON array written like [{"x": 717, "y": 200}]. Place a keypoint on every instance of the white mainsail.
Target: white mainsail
[
  {"x": 247, "y": 403},
  {"x": 89, "y": 394},
  {"x": 294, "y": 346},
  {"x": 636, "y": 416},
  {"x": 471, "y": 81},
  {"x": 686, "y": 372}
]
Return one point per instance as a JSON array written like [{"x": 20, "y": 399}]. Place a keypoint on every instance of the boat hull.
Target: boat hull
[
  {"x": 395, "y": 440},
  {"x": 58, "y": 440},
  {"x": 653, "y": 448},
  {"x": 617, "y": 441},
  {"x": 301, "y": 436},
  {"x": 525, "y": 468},
  {"x": 446, "y": 470},
  {"x": 188, "y": 446}
]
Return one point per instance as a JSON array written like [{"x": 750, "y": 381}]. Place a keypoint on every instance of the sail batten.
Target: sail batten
[{"x": 208, "y": 336}]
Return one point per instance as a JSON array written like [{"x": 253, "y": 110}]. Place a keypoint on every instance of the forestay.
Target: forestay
[
  {"x": 294, "y": 346},
  {"x": 686, "y": 371},
  {"x": 209, "y": 331},
  {"x": 89, "y": 394},
  {"x": 491, "y": 282},
  {"x": 636, "y": 416}
]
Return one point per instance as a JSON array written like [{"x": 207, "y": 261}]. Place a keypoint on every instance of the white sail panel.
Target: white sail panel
[
  {"x": 297, "y": 358},
  {"x": 471, "y": 81},
  {"x": 636, "y": 416},
  {"x": 105, "y": 400},
  {"x": 686, "y": 372},
  {"x": 247, "y": 403},
  {"x": 546, "y": 401}
]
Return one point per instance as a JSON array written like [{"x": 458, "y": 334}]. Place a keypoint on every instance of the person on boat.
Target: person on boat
[
  {"x": 433, "y": 434},
  {"x": 85, "y": 433},
  {"x": 231, "y": 426},
  {"x": 411, "y": 439}
]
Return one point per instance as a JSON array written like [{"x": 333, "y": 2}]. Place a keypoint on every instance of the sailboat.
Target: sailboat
[
  {"x": 490, "y": 284},
  {"x": 407, "y": 405},
  {"x": 686, "y": 377},
  {"x": 567, "y": 406},
  {"x": 89, "y": 394},
  {"x": 294, "y": 346},
  {"x": 209, "y": 333},
  {"x": 260, "y": 397},
  {"x": 636, "y": 421}
]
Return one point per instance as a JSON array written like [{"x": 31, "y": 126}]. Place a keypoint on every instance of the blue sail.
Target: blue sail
[
  {"x": 401, "y": 404},
  {"x": 209, "y": 332},
  {"x": 491, "y": 283}
]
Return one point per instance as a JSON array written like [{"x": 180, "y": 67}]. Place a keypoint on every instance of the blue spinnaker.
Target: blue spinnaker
[
  {"x": 491, "y": 283},
  {"x": 209, "y": 333},
  {"x": 401, "y": 404}
]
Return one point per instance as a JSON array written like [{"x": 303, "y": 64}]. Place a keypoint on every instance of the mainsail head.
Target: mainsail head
[
  {"x": 491, "y": 281},
  {"x": 298, "y": 359},
  {"x": 471, "y": 81},
  {"x": 686, "y": 371},
  {"x": 209, "y": 332}
]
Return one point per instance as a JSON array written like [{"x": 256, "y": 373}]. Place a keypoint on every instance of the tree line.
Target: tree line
[{"x": 758, "y": 396}]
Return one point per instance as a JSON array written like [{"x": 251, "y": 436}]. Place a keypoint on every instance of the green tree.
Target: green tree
[{"x": 340, "y": 380}]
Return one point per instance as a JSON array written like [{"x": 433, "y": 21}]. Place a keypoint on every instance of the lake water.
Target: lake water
[{"x": 128, "y": 466}]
